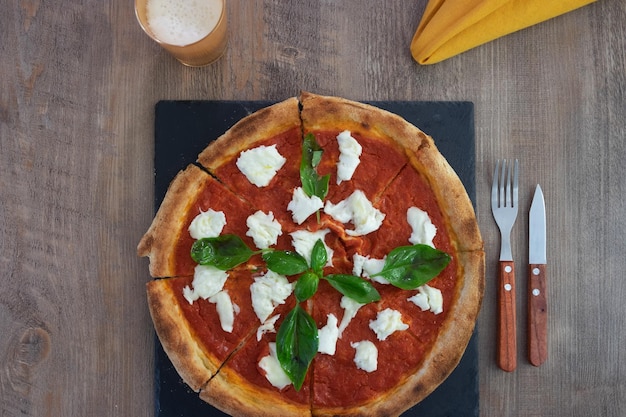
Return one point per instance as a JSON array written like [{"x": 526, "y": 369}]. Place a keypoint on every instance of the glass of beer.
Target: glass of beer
[{"x": 194, "y": 31}]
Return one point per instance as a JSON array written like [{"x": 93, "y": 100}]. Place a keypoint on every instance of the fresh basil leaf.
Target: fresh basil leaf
[
  {"x": 316, "y": 156},
  {"x": 354, "y": 287},
  {"x": 285, "y": 262},
  {"x": 312, "y": 183},
  {"x": 223, "y": 252},
  {"x": 321, "y": 186},
  {"x": 306, "y": 286},
  {"x": 297, "y": 342},
  {"x": 319, "y": 257},
  {"x": 408, "y": 267}
]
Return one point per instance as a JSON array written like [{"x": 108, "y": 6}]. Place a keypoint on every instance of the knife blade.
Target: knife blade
[{"x": 537, "y": 297}]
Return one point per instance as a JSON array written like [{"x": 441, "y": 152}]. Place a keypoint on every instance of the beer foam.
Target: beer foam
[{"x": 182, "y": 22}]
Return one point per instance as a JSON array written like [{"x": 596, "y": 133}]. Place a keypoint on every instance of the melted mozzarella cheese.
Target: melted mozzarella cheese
[
  {"x": 207, "y": 224},
  {"x": 207, "y": 281},
  {"x": 424, "y": 230},
  {"x": 358, "y": 210},
  {"x": 366, "y": 356},
  {"x": 387, "y": 322},
  {"x": 268, "y": 291},
  {"x": 302, "y": 206},
  {"x": 273, "y": 371},
  {"x": 350, "y": 308},
  {"x": 263, "y": 229},
  {"x": 225, "y": 310},
  {"x": 260, "y": 164},
  {"x": 349, "y": 154},
  {"x": 303, "y": 242},
  {"x": 364, "y": 266},
  {"x": 428, "y": 298},
  {"x": 328, "y": 336},
  {"x": 269, "y": 326}
]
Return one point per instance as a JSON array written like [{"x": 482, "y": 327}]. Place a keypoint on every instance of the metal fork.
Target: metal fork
[{"x": 504, "y": 204}]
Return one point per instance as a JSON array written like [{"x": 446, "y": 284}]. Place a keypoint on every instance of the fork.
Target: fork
[{"x": 504, "y": 204}]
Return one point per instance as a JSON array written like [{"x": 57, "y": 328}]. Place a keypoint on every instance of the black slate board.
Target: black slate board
[{"x": 184, "y": 128}]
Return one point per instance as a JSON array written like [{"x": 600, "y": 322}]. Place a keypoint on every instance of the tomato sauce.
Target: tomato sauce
[{"x": 393, "y": 186}]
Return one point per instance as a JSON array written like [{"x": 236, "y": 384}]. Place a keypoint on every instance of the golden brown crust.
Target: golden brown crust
[
  {"x": 161, "y": 238},
  {"x": 335, "y": 113},
  {"x": 263, "y": 124},
  {"x": 232, "y": 394},
  {"x": 451, "y": 195},
  {"x": 193, "y": 363}
]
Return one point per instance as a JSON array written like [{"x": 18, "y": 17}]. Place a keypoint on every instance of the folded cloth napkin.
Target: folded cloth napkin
[{"x": 449, "y": 27}]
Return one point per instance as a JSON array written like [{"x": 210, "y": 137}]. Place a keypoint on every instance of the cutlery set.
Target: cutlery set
[{"x": 504, "y": 206}]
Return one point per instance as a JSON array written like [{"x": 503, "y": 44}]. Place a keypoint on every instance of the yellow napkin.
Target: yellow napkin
[{"x": 449, "y": 27}]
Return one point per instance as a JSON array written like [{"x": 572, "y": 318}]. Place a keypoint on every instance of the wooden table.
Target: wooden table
[{"x": 78, "y": 87}]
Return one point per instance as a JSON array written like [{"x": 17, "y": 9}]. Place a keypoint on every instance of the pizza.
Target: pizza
[{"x": 320, "y": 258}]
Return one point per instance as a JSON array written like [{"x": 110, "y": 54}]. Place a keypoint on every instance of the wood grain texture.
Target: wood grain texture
[
  {"x": 78, "y": 85},
  {"x": 507, "y": 317},
  {"x": 537, "y": 331}
]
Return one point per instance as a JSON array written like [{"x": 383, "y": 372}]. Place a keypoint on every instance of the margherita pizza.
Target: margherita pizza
[{"x": 320, "y": 258}]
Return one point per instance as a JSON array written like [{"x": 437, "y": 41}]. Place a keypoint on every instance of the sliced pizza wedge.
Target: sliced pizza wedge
[
  {"x": 252, "y": 382},
  {"x": 259, "y": 159},
  {"x": 358, "y": 152},
  {"x": 199, "y": 334},
  {"x": 192, "y": 194}
]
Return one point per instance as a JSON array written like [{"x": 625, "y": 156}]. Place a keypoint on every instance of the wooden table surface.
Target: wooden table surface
[{"x": 78, "y": 86}]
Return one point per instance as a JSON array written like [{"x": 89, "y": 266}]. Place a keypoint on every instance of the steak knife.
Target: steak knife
[{"x": 537, "y": 300}]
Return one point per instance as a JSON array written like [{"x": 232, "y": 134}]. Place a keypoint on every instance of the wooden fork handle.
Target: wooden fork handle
[
  {"x": 537, "y": 314},
  {"x": 507, "y": 333}
]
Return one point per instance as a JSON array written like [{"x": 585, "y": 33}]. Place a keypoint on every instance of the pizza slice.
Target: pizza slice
[
  {"x": 259, "y": 159},
  {"x": 357, "y": 151},
  {"x": 252, "y": 382},
  {"x": 362, "y": 374},
  {"x": 193, "y": 195},
  {"x": 200, "y": 323}
]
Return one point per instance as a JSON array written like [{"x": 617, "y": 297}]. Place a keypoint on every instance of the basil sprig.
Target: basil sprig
[
  {"x": 297, "y": 339},
  {"x": 312, "y": 183}
]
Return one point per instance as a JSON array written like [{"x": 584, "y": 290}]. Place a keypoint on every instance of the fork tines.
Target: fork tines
[{"x": 504, "y": 192}]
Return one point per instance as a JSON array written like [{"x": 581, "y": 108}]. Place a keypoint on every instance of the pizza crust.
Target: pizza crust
[
  {"x": 192, "y": 362},
  {"x": 234, "y": 395},
  {"x": 263, "y": 124},
  {"x": 160, "y": 240}
]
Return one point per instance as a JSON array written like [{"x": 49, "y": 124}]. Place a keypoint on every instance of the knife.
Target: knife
[{"x": 537, "y": 301}]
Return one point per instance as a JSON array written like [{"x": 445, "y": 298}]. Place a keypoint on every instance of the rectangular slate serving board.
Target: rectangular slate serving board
[{"x": 184, "y": 128}]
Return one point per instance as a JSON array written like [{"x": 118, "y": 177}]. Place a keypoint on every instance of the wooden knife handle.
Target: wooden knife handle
[
  {"x": 537, "y": 315},
  {"x": 507, "y": 333}
]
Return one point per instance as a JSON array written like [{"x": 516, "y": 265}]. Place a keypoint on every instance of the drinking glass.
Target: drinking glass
[{"x": 194, "y": 32}]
